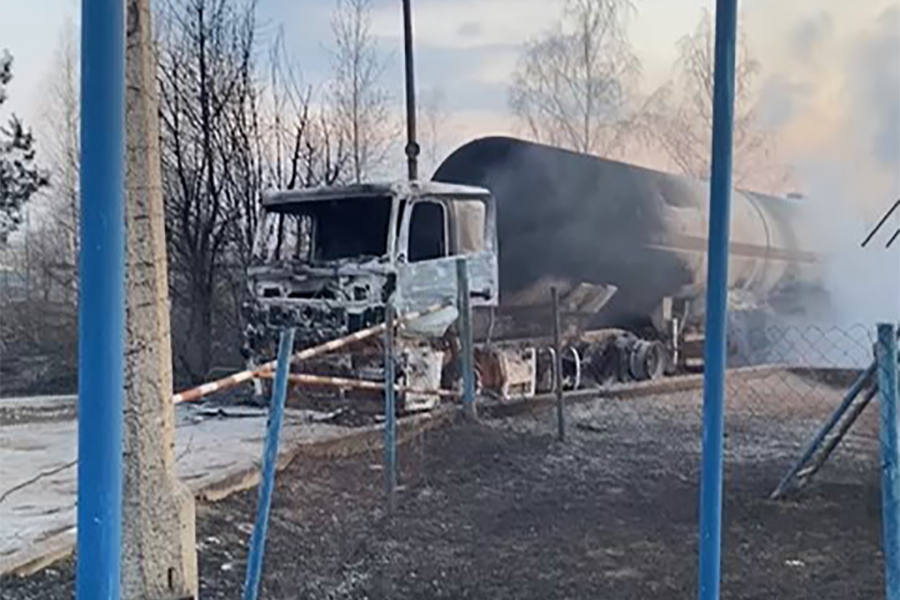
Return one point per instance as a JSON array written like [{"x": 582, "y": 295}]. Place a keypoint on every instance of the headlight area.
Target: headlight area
[{"x": 313, "y": 324}]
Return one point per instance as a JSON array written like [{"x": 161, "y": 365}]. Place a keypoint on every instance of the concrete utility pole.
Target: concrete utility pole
[{"x": 159, "y": 559}]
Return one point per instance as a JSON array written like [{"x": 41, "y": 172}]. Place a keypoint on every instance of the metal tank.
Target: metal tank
[{"x": 575, "y": 218}]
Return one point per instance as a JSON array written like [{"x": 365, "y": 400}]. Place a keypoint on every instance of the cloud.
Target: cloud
[
  {"x": 29, "y": 31},
  {"x": 831, "y": 87},
  {"x": 470, "y": 29},
  {"x": 469, "y": 23},
  {"x": 809, "y": 34},
  {"x": 837, "y": 93},
  {"x": 874, "y": 86},
  {"x": 781, "y": 98}
]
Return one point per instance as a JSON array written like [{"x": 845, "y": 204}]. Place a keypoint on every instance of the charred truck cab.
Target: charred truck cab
[{"x": 326, "y": 260}]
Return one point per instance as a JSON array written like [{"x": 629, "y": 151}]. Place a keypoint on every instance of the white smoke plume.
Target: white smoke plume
[{"x": 839, "y": 94}]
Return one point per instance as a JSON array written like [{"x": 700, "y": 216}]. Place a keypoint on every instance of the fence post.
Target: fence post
[
  {"x": 823, "y": 432},
  {"x": 889, "y": 430},
  {"x": 390, "y": 410},
  {"x": 269, "y": 460},
  {"x": 557, "y": 365},
  {"x": 807, "y": 473},
  {"x": 465, "y": 338},
  {"x": 716, "y": 303},
  {"x": 101, "y": 307}
]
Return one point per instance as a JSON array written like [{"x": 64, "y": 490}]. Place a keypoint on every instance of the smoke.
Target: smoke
[
  {"x": 838, "y": 94},
  {"x": 860, "y": 181},
  {"x": 874, "y": 87},
  {"x": 839, "y": 97},
  {"x": 863, "y": 283}
]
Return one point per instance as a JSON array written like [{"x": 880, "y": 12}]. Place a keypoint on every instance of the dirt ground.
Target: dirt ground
[{"x": 500, "y": 509}]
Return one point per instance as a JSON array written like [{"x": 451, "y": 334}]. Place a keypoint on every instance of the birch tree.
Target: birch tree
[
  {"x": 432, "y": 120},
  {"x": 574, "y": 83},
  {"x": 679, "y": 119},
  {"x": 360, "y": 102}
]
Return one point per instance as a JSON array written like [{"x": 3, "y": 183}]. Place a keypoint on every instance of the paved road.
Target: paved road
[{"x": 38, "y": 462}]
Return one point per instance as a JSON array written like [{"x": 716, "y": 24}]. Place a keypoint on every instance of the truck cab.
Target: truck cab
[{"x": 326, "y": 260}]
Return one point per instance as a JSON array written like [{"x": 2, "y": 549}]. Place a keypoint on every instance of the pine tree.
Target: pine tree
[{"x": 20, "y": 177}]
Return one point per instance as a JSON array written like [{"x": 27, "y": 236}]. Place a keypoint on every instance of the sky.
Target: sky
[
  {"x": 808, "y": 50},
  {"x": 829, "y": 86}
]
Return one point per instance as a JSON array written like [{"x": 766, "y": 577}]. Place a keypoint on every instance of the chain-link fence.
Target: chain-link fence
[
  {"x": 818, "y": 538},
  {"x": 500, "y": 508}
]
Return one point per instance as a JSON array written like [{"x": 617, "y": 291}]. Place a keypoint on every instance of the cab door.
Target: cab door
[{"x": 434, "y": 236}]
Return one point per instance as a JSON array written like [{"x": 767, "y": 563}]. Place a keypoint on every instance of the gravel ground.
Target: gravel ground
[{"x": 500, "y": 509}]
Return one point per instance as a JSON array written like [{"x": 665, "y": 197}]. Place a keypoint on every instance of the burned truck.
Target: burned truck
[
  {"x": 624, "y": 246},
  {"x": 326, "y": 261}
]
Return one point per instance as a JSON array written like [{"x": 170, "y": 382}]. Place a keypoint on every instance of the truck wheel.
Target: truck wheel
[
  {"x": 655, "y": 364},
  {"x": 571, "y": 366},
  {"x": 647, "y": 361},
  {"x": 545, "y": 376}
]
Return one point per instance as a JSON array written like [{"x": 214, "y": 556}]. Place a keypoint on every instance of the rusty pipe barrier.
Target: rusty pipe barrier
[
  {"x": 359, "y": 384},
  {"x": 206, "y": 389}
]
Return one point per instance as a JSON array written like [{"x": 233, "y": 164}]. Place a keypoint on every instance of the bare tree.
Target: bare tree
[
  {"x": 60, "y": 131},
  {"x": 679, "y": 116},
  {"x": 40, "y": 308},
  {"x": 432, "y": 114},
  {"x": 308, "y": 146},
  {"x": 229, "y": 130},
  {"x": 361, "y": 104},
  {"x": 38, "y": 319},
  {"x": 573, "y": 84},
  {"x": 206, "y": 85},
  {"x": 279, "y": 139}
]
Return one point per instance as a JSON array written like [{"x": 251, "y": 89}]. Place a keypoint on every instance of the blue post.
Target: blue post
[
  {"x": 102, "y": 302},
  {"x": 820, "y": 436},
  {"x": 716, "y": 302},
  {"x": 269, "y": 459},
  {"x": 889, "y": 429},
  {"x": 390, "y": 410},
  {"x": 467, "y": 361}
]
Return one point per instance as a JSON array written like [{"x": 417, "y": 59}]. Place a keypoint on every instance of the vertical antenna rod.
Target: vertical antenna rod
[{"x": 412, "y": 148}]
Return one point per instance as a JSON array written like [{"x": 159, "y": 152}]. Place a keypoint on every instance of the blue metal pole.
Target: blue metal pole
[
  {"x": 889, "y": 428},
  {"x": 820, "y": 436},
  {"x": 102, "y": 303},
  {"x": 467, "y": 361},
  {"x": 716, "y": 302},
  {"x": 390, "y": 410},
  {"x": 269, "y": 460}
]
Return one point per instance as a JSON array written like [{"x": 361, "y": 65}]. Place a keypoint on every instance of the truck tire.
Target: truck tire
[{"x": 647, "y": 361}]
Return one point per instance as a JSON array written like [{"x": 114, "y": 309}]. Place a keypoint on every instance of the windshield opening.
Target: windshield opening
[{"x": 326, "y": 230}]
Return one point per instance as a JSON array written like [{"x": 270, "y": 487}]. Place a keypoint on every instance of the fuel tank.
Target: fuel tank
[{"x": 576, "y": 218}]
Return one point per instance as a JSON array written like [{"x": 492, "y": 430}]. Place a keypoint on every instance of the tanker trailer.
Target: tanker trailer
[{"x": 626, "y": 247}]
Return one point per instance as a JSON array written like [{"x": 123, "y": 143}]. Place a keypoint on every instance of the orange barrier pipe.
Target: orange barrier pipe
[
  {"x": 340, "y": 382},
  {"x": 206, "y": 389}
]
